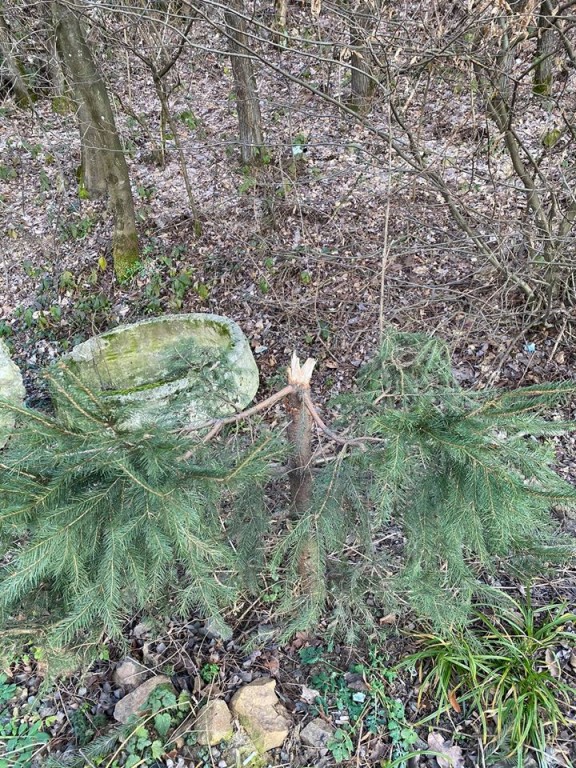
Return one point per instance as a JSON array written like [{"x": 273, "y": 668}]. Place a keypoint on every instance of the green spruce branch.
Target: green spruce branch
[{"x": 98, "y": 524}]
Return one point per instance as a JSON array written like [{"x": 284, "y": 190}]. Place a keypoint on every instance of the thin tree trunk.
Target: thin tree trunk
[
  {"x": 62, "y": 98},
  {"x": 168, "y": 117},
  {"x": 362, "y": 83},
  {"x": 544, "y": 69},
  {"x": 280, "y": 22},
  {"x": 14, "y": 67},
  {"x": 247, "y": 102},
  {"x": 101, "y": 147}
]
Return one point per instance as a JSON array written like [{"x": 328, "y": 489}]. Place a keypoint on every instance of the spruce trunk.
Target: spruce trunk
[
  {"x": 247, "y": 101},
  {"x": 102, "y": 152},
  {"x": 300, "y": 474}
]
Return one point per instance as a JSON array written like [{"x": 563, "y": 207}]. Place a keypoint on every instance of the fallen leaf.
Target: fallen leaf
[
  {"x": 454, "y": 702},
  {"x": 273, "y": 665},
  {"x": 447, "y": 755},
  {"x": 552, "y": 663},
  {"x": 299, "y": 639}
]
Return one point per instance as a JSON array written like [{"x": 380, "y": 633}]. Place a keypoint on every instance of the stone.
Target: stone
[
  {"x": 11, "y": 390},
  {"x": 174, "y": 370},
  {"x": 129, "y": 674},
  {"x": 132, "y": 702},
  {"x": 316, "y": 734},
  {"x": 214, "y": 723},
  {"x": 261, "y": 714}
]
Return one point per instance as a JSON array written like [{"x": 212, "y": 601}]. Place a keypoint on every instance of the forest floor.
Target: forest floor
[{"x": 313, "y": 252}]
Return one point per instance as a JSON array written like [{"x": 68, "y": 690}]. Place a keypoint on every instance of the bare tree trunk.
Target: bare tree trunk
[
  {"x": 280, "y": 22},
  {"x": 102, "y": 153},
  {"x": 62, "y": 98},
  {"x": 362, "y": 84},
  {"x": 247, "y": 102},
  {"x": 13, "y": 66},
  {"x": 544, "y": 69}
]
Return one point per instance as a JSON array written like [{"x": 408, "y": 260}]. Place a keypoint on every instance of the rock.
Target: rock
[
  {"x": 316, "y": 734},
  {"x": 171, "y": 370},
  {"x": 214, "y": 723},
  {"x": 11, "y": 389},
  {"x": 133, "y": 701},
  {"x": 259, "y": 711},
  {"x": 129, "y": 674}
]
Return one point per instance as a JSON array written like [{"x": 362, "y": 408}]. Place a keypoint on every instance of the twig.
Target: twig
[
  {"x": 216, "y": 424},
  {"x": 386, "y": 246},
  {"x": 268, "y": 403},
  {"x": 558, "y": 340},
  {"x": 332, "y": 435},
  {"x": 290, "y": 389}
]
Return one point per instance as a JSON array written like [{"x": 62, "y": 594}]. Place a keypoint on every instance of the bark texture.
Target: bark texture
[
  {"x": 544, "y": 69},
  {"x": 300, "y": 474},
  {"x": 362, "y": 84},
  {"x": 13, "y": 67},
  {"x": 247, "y": 101},
  {"x": 104, "y": 167}
]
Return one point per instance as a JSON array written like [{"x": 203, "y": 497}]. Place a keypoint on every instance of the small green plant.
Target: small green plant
[
  {"x": 209, "y": 672},
  {"x": 7, "y": 173},
  {"x": 143, "y": 741},
  {"x": 77, "y": 229},
  {"x": 249, "y": 182},
  {"x": 145, "y": 192},
  {"x": 504, "y": 670},
  {"x": 131, "y": 272},
  {"x": 21, "y": 735},
  {"x": 363, "y": 693},
  {"x": 341, "y": 745},
  {"x": 189, "y": 119},
  {"x": 202, "y": 290},
  {"x": 180, "y": 284}
]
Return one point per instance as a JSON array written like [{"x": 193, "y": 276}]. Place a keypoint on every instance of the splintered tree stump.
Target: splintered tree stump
[
  {"x": 300, "y": 435},
  {"x": 300, "y": 473}
]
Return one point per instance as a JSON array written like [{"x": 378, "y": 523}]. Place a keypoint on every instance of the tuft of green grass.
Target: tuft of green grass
[{"x": 505, "y": 669}]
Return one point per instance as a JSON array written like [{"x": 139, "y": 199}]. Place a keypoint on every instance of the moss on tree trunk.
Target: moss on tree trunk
[{"x": 104, "y": 166}]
